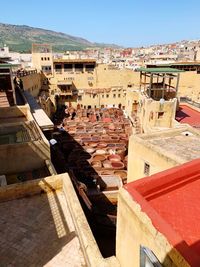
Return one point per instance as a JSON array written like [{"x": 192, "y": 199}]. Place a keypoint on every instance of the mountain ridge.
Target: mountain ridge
[{"x": 19, "y": 38}]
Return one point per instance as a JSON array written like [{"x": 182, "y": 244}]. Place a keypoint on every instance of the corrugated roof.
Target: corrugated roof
[{"x": 159, "y": 70}]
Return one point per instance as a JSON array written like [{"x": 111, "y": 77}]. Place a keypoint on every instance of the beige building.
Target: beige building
[{"x": 161, "y": 150}]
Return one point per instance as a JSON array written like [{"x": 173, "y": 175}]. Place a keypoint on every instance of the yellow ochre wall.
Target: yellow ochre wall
[{"x": 134, "y": 228}]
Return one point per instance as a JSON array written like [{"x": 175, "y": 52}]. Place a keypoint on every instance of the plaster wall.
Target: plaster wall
[
  {"x": 140, "y": 153},
  {"x": 32, "y": 83},
  {"x": 19, "y": 158},
  {"x": 138, "y": 230}
]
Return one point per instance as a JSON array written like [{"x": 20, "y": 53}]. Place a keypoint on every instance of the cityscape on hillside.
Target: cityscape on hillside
[{"x": 100, "y": 155}]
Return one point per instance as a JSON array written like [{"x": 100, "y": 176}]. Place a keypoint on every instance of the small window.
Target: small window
[
  {"x": 146, "y": 168},
  {"x": 80, "y": 98},
  {"x": 48, "y": 58},
  {"x": 119, "y": 95},
  {"x": 58, "y": 67},
  {"x": 160, "y": 115},
  {"x": 102, "y": 96},
  {"x": 114, "y": 95},
  {"x": 45, "y": 58},
  {"x": 42, "y": 58},
  {"x": 107, "y": 95}
]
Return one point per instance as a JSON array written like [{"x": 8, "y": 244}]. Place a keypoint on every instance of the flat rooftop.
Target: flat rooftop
[
  {"x": 186, "y": 114},
  {"x": 81, "y": 60},
  {"x": 171, "y": 200},
  {"x": 38, "y": 113},
  {"x": 182, "y": 144},
  {"x": 38, "y": 230}
]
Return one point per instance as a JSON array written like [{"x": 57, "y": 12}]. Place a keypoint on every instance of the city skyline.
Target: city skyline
[{"x": 127, "y": 23}]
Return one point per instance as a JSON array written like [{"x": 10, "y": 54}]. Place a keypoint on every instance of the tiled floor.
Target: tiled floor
[{"x": 38, "y": 231}]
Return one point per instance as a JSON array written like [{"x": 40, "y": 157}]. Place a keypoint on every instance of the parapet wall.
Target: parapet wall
[{"x": 62, "y": 182}]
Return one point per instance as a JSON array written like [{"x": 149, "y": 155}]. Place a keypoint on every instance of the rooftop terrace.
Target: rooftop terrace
[
  {"x": 37, "y": 228},
  {"x": 182, "y": 144}
]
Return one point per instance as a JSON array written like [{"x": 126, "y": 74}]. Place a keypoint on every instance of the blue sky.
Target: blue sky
[{"x": 125, "y": 22}]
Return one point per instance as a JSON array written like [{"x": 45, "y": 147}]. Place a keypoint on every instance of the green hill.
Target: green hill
[{"x": 19, "y": 38}]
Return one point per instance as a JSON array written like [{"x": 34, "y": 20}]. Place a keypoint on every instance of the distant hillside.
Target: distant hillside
[{"x": 19, "y": 38}]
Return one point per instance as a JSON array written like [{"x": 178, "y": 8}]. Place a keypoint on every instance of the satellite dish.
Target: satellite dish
[{"x": 162, "y": 101}]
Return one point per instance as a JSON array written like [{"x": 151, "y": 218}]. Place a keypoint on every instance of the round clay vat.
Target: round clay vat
[
  {"x": 121, "y": 173},
  {"x": 96, "y": 164},
  {"x": 101, "y": 151},
  {"x": 117, "y": 165},
  {"x": 102, "y": 145},
  {"x": 90, "y": 150},
  {"x": 114, "y": 158},
  {"x": 107, "y": 164},
  {"x": 98, "y": 157},
  {"x": 106, "y": 172},
  {"x": 93, "y": 144}
]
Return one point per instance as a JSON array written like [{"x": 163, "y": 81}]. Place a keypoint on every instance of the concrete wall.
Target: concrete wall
[
  {"x": 13, "y": 113},
  {"x": 18, "y": 158},
  {"x": 134, "y": 228},
  {"x": 30, "y": 188},
  {"x": 190, "y": 85},
  {"x": 154, "y": 114},
  {"x": 32, "y": 83}
]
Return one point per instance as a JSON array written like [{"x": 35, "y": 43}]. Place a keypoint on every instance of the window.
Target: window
[
  {"x": 42, "y": 58},
  {"x": 80, "y": 97},
  {"x": 79, "y": 67},
  {"x": 107, "y": 95},
  {"x": 58, "y": 67},
  {"x": 146, "y": 168},
  {"x": 160, "y": 115},
  {"x": 46, "y": 68},
  {"x": 48, "y": 58},
  {"x": 119, "y": 95},
  {"x": 148, "y": 258},
  {"x": 45, "y": 58},
  {"x": 68, "y": 67},
  {"x": 102, "y": 96},
  {"x": 89, "y": 67},
  {"x": 114, "y": 95}
]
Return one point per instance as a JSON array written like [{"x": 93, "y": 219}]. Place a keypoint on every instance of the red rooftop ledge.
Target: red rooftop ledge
[
  {"x": 171, "y": 200},
  {"x": 188, "y": 115}
]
